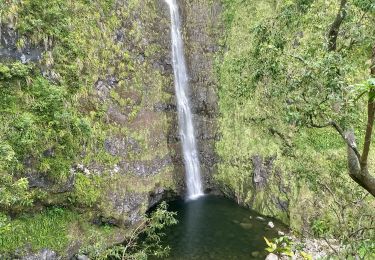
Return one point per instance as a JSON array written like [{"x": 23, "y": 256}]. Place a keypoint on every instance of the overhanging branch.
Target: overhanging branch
[{"x": 336, "y": 126}]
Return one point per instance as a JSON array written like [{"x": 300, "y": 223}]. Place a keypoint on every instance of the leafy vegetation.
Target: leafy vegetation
[
  {"x": 283, "y": 81},
  {"x": 46, "y": 230},
  {"x": 291, "y": 75},
  {"x": 87, "y": 190},
  {"x": 284, "y": 246},
  {"x": 143, "y": 241},
  {"x": 58, "y": 228},
  {"x": 55, "y": 112},
  {"x": 54, "y": 117},
  {"x": 280, "y": 246}
]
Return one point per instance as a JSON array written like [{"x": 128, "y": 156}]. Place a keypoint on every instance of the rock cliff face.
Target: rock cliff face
[
  {"x": 156, "y": 158},
  {"x": 202, "y": 32},
  {"x": 201, "y": 28},
  {"x": 133, "y": 158}
]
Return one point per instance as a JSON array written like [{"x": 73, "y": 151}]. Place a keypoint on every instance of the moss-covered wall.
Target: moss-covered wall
[
  {"x": 269, "y": 160},
  {"x": 88, "y": 113},
  {"x": 88, "y": 129},
  {"x": 202, "y": 31}
]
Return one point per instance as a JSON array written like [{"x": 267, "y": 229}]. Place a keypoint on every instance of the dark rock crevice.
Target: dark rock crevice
[{"x": 9, "y": 38}]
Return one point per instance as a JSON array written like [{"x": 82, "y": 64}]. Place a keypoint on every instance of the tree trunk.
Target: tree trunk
[
  {"x": 370, "y": 117},
  {"x": 370, "y": 124},
  {"x": 358, "y": 173},
  {"x": 335, "y": 27},
  {"x": 358, "y": 165}
]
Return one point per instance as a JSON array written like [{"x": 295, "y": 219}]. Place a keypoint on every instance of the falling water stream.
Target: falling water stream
[{"x": 189, "y": 146}]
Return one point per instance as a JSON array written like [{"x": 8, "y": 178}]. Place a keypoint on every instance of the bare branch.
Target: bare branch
[
  {"x": 335, "y": 27},
  {"x": 333, "y": 124}
]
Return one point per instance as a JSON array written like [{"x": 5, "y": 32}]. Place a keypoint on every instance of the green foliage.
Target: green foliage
[
  {"x": 320, "y": 227},
  {"x": 365, "y": 5},
  {"x": 143, "y": 241},
  {"x": 54, "y": 228},
  {"x": 44, "y": 17},
  {"x": 46, "y": 230},
  {"x": 40, "y": 118},
  {"x": 7, "y": 154},
  {"x": 273, "y": 89},
  {"x": 284, "y": 246},
  {"x": 53, "y": 116},
  {"x": 98, "y": 239},
  {"x": 367, "y": 87},
  {"x": 280, "y": 246},
  {"x": 16, "y": 70},
  {"x": 5, "y": 226},
  {"x": 306, "y": 256},
  {"x": 366, "y": 249},
  {"x": 158, "y": 220},
  {"x": 87, "y": 189},
  {"x": 14, "y": 193},
  {"x": 360, "y": 249}
]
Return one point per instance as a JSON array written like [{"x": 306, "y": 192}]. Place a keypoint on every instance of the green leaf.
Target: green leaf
[
  {"x": 268, "y": 242},
  {"x": 306, "y": 256}
]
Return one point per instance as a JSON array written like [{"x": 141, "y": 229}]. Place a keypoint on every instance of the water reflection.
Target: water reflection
[{"x": 216, "y": 228}]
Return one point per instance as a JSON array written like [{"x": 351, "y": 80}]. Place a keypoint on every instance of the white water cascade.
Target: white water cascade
[{"x": 189, "y": 146}]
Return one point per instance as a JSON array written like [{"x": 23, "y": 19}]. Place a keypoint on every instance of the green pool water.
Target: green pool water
[{"x": 213, "y": 227}]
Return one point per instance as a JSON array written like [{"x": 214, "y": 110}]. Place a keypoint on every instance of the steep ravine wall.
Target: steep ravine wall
[
  {"x": 202, "y": 34},
  {"x": 270, "y": 158},
  {"x": 112, "y": 62},
  {"x": 201, "y": 31},
  {"x": 163, "y": 167},
  {"x": 132, "y": 159}
]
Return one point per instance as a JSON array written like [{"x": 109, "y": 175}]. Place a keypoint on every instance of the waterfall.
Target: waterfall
[{"x": 189, "y": 146}]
